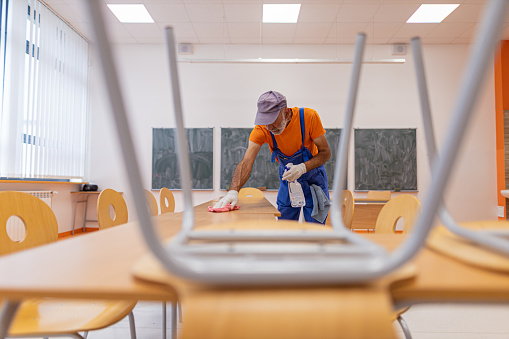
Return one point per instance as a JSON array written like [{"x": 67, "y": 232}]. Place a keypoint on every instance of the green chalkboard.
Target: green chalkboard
[
  {"x": 234, "y": 142},
  {"x": 385, "y": 159},
  {"x": 165, "y": 169}
]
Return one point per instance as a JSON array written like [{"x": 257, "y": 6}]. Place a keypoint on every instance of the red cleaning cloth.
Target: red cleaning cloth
[{"x": 226, "y": 208}]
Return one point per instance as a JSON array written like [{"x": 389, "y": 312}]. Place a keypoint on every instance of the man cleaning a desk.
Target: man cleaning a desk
[{"x": 296, "y": 138}]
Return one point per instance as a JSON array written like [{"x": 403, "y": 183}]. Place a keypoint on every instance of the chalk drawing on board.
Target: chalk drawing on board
[
  {"x": 165, "y": 169},
  {"x": 234, "y": 142},
  {"x": 385, "y": 159}
]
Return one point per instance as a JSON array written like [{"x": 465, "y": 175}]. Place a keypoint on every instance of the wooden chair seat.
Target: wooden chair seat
[
  {"x": 58, "y": 317},
  {"x": 107, "y": 198},
  {"x": 166, "y": 200},
  {"x": 152, "y": 203},
  {"x": 347, "y": 208},
  {"x": 250, "y": 192}
]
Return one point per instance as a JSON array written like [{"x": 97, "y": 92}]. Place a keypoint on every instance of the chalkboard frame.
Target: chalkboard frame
[
  {"x": 400, "y": 162},
  {"x": 201, "y": 157}
]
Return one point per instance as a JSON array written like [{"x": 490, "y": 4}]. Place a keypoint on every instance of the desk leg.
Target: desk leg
[
  {"x": 173, "y": 321},
  {"x": 8, "y": 312},
  {"x": 85, "y": 215},
  {"x": 75, "y": 208},
  {"x": 164, "y": 320}
]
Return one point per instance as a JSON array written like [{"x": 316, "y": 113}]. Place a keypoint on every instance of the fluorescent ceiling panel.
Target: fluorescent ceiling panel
[
  {"x": 432, "y": 13},
  {"x": 281, "y": 13},
  {"x": 131, "y": 13}
]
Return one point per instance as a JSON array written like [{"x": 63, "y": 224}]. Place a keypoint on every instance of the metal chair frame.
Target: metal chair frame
[{"x": 357, "y": 260}]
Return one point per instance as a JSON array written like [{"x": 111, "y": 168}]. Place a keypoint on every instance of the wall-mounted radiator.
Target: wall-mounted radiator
[{"x": 15, "y": 227}]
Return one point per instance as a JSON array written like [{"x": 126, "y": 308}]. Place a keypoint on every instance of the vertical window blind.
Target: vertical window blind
[{"x": 44, "y": 117}]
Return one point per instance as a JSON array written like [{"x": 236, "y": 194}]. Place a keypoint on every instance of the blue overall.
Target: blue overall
[{"x": 316, "y": 176}]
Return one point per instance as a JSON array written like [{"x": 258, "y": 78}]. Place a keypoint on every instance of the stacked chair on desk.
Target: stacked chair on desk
[
  {"x": 340, "y": 258},
  {"x": 50, "y": 316}
]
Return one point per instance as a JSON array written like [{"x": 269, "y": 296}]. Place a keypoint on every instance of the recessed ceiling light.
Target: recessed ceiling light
[
  {"x": 131, "y": 13},
  {"x": 281, "y": 13},
  {"x": 432, "y": 13}
]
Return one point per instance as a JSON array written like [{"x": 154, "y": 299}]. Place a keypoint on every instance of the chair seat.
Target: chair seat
[{"x": 58, "y": 316}]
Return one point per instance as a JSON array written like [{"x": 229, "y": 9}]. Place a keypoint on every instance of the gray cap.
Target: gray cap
[{"x": 269, "y": 105}]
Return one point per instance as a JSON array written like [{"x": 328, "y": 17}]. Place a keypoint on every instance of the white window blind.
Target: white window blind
[{"x": 43, "y": 125}]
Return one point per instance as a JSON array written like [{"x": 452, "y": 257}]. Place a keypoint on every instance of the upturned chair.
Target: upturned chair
[{"x": 50, "y": 316}]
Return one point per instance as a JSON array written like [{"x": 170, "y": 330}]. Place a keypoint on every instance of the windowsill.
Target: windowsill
[{"x": 40, "y": 181}]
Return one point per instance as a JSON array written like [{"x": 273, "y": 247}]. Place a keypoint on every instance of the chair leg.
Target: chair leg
[
  {"x": 9, "y": 309},
  {"x": 85, "y": 334},
  {"x": 404, "y": 327},
  {"x": 164, "y": 320},
  {"x": 179, "y": 309},
  {"x": 173, "y": 321},
  {"x": 132, "y": 326}
]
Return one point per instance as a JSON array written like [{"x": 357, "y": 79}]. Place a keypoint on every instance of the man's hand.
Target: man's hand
[
  {"x": 232, "y": 197},
  {"x": 294, "y": 172}
]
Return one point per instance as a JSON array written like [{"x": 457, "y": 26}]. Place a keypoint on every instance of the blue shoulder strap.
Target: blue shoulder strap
[
  {"x": 274, "y": 147},
  {"x": 303, "y": 132}
]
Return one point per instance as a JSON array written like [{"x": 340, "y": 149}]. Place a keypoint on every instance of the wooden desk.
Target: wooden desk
[
  {"x": 366, "y": 212},
  {"x": 99, "y": 265}
]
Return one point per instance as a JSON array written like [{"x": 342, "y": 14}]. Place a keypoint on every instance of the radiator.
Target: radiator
[{"x": 15, "y": 226}]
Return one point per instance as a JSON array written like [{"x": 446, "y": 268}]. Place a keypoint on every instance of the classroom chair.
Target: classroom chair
[
  {"x": 50, "y": 316},
  {"x": 166, "y": 200},
  {"x": 347, "y": 207},
  {"x": 408, "y": 208},
  {"x": 250, "y": 192},
  {"x": 107, "y": 198},
  {"x": 152, "y": 203},
  {"x": 379, "y": 195}
]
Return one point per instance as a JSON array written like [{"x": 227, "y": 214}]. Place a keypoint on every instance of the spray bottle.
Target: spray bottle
[{"x": 295, "y": 190}]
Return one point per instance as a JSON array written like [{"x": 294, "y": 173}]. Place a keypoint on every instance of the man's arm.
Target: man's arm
[
  {"x": 243, "y": 169},
  {"x": 240, "y": 176},
  {"x": 322, "y": 156}
]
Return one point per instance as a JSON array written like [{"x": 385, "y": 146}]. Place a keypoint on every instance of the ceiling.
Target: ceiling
[{"x": 320, "y": 22}]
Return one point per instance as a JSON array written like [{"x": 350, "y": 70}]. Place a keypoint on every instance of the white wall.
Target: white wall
[{"x": 225, "y": 95}]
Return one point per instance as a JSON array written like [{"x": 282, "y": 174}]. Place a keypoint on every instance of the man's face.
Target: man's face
[{"x": 279, "y": 125}]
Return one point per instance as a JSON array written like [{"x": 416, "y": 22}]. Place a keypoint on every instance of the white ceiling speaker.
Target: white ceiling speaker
[
  {"x": 185, "y": 49},
  {"x": 399, "y": 49}
]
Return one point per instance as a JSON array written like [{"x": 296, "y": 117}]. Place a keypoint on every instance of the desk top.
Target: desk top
[{"x": 99, "y": 264}]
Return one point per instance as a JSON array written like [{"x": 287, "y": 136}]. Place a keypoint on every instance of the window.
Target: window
[{"x": 44, "y": 110}]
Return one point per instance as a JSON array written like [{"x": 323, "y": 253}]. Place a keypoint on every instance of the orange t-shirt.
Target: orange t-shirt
[{"x": 290, "y": 141}]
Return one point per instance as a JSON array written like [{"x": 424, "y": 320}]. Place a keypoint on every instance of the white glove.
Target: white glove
[
  {"x": 294, "y": 172},
  {"x": 232, "y": 197}
]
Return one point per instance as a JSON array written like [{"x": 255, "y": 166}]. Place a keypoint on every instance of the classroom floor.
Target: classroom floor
[{"x": 444, "y": 321}]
